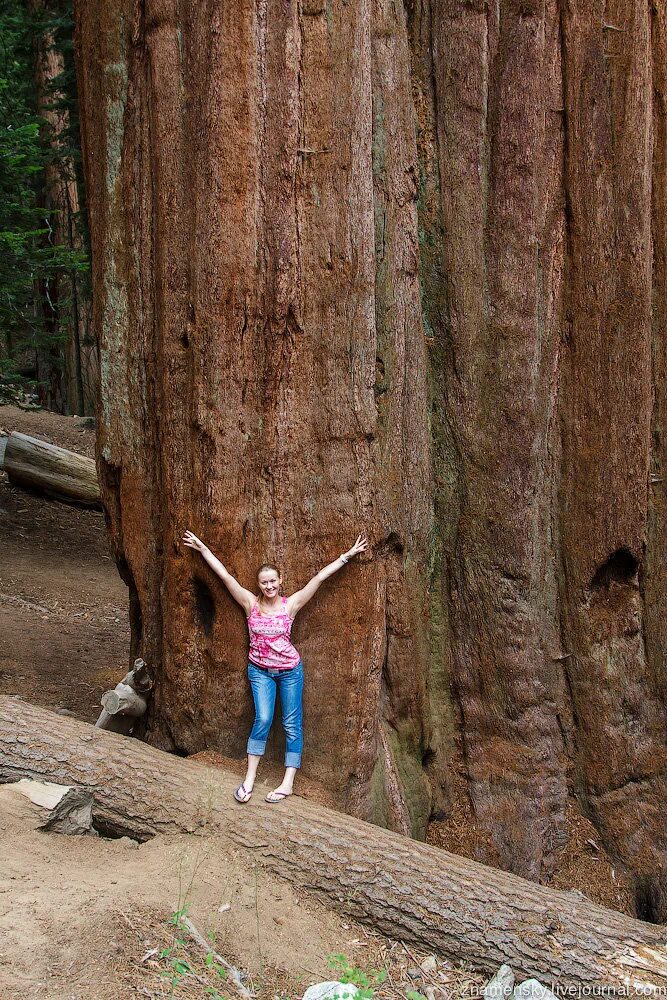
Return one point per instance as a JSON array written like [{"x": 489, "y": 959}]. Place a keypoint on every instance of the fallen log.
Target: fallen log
[
  {"x": 55, "y": 471},
  {"x": 409, "y": 890}
]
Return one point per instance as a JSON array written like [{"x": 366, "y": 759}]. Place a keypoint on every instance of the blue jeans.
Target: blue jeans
[{"x": 290, "y": 684}]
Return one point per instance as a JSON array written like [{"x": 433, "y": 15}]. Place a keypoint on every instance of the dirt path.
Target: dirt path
[
  {"x": 63, "y": 606},
  {"x": 78, "y": 915}
]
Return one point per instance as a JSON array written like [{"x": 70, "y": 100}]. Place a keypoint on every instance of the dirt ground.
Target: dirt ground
[
  {"x": 63, "y": 606},
  {"x": 89, "y": 917},
  {"x": 85, "y": 918}
]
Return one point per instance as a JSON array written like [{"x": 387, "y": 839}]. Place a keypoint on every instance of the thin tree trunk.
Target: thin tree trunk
[
  {"x": 60, "y": 367},
  {"x": 406, "y": 889}
]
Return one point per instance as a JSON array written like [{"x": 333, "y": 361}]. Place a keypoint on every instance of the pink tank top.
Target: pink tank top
[{"x": 270, "y": 643}]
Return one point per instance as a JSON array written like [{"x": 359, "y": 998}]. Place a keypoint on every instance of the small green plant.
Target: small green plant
[
  {"x": 177, "y": 916},
  {"x": 178, "y": 967},
  {"x": 215, "y": 966},
  {"x": 366, "y": 982}
]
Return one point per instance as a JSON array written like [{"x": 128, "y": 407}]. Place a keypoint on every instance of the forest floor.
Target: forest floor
[
  {"x": 93, "y": 918},
  {"x": 63, "y": 606},
  {"x": 85, "y": 917}
]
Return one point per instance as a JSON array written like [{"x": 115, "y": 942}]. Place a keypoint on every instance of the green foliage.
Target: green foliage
[
  {"x": 176, "y": 919},
  {"x": 178, "y": 966},
  {"x": 366, "y": 982},
  {"x": 35, "y": 301}
]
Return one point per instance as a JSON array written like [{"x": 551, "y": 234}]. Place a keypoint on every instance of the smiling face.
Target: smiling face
[{"x": 269, "y": 581}]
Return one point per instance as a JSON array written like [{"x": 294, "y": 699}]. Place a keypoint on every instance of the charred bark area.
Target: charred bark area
[{"x": 399, "y": 267}]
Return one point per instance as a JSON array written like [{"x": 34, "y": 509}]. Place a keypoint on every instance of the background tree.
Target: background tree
[
  {"x": 398, "y": 268},
  {"x": 44, "y": 292}
]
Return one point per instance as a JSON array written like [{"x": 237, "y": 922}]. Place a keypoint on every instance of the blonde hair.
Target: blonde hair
[{"x": 266, "y": 566}]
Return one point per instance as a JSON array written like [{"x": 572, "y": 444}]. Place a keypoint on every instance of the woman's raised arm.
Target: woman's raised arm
[
  {"x": 244, "y": 597},
  {"x": 301, "y": 597}
]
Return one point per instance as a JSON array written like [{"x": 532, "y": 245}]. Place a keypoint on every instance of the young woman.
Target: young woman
[{"x": 274, "y": 664}]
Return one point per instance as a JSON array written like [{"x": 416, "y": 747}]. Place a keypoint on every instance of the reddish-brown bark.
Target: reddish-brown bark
[{"x": 399, "y": 268}]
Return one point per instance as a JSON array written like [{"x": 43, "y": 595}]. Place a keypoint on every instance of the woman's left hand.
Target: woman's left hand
[
  {"x": 191, "y": 540},
  {"x": 359, "y": 546}
]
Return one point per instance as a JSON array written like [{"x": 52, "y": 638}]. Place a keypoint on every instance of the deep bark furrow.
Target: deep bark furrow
[{"x": 503, "y": 602}]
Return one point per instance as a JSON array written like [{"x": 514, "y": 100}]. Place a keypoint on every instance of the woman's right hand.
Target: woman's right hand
[
  {"x": 359, "y": 546},
  {"x": 191, "y": 540}
]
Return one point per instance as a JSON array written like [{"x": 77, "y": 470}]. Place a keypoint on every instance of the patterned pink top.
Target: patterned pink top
[{"x": 270, "y": 643}]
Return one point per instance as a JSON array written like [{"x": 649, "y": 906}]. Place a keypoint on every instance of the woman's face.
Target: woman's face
[{"x": 269, "y": 583}]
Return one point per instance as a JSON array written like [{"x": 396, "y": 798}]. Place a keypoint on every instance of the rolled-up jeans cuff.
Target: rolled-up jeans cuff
[
  {"x": 292, "y": 759},
  {"x": 256, "y": 747}
]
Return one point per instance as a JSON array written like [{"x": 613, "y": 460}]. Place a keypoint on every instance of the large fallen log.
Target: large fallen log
[
  {"x": 55, "y": 471},
  {"x": 406, "y": 889}
]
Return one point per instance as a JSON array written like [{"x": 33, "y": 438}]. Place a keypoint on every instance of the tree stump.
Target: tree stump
[{"x": 127, "y": 702}]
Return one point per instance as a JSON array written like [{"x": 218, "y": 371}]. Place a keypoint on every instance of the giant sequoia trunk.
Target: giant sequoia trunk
[{"x": 398, "y": 267}]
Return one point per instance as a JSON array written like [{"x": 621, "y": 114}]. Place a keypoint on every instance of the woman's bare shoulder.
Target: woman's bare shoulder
[{"x": 289, "y": 607}]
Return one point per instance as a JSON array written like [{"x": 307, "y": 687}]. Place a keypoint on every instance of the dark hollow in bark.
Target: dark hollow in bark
[
  {"x": 621, "y": 567},
  {"x": 204, "y": 604}
]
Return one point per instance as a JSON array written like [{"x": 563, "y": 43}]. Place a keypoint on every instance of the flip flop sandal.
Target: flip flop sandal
[
  {"x": 237, "y": 796},
  {"x": 274, "y": 797}
]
